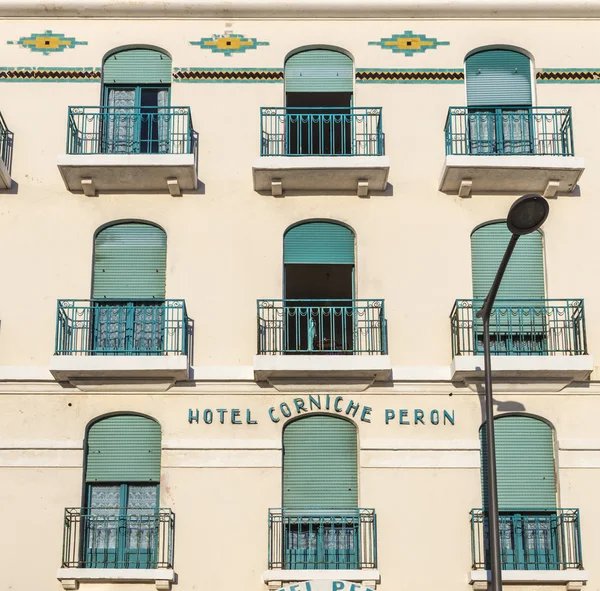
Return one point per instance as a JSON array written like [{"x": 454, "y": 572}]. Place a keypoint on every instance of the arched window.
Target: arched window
[
  {"x": 128, "y": 289},
  {"x": 320, "y": 464},
  {"x": 122, "y": 477},
  {"x": 318, "y": 261},
  {"x": 519, "y": 324},
  {"x": 529, "y": 523},
  {"x": 318, "y": 88},
  {"x": 524, "y": 276},
  {"x": 320, "y": 494},
  {"x": 136, "y": 98},
  {"x": 499, "y": 97}
]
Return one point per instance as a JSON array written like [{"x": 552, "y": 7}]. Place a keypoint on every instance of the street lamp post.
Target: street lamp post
[{"x": 526, "y": 215}]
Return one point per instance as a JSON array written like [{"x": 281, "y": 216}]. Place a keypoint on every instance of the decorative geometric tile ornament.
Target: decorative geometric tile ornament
[
  {"x": 587, "y": 76},
  {"x": 47, "y": 42},
  {"x": 410, "y": 76},
  {"x": 228, "y": 75},
  {"x": 229, "y": 43},
  {"x": 50, "y": 74},
  {"x": 408, "y": 43}
]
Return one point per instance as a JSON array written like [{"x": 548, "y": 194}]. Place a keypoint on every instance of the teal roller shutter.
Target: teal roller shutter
[
  {"x": 130, "y": 262},
  {"x": 498, "y": 77},
  {"x": 137, "y": 66},
  {"x": 123, "y": 448},
  {"x": 525, "y": 463},
  {"x": 319, "y": 70},
  {"x": 320, "y": 464},
  {"x": 319, "y": 243},
  {"x": 524, "y": 276}
]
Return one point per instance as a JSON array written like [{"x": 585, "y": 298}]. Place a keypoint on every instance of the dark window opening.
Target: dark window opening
[
  {"x": 319, "y": 123},
  {"x": 318, "y": 312}
]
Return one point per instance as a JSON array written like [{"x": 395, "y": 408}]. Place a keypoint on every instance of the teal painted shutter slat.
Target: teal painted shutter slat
[
  {"x": 319, "y": 243},
  {"x": 524, "y": 276},
  {"x": 130, "y": 262},
  {"x": 124, "y": 448},
  {"x": 524, "y": 463},
  {"x": 137, "y": 66},
  {"x": 320, "y": 464},
  {"x": 319, "y": 70},
  {"x": 498, "y": 77}
]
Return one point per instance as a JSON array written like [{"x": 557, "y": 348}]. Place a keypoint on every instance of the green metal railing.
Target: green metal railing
[
  {"x": 118, "y": 537},
  {"x": 530, "y": 539},
  {"x": 351, "y": 327},
  {"x": 520, "y": 327},
  {"x": 130, "y": 130},
  {"x": 6, "y": 144},
  {"x": 546, "y": 131},
  {"x": 322, "y": 539},
  {"x": 142, "y": 327},
  {"x": 321, "y": 131}
]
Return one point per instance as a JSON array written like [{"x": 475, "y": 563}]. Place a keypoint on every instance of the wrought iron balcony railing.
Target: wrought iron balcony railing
[
  {"x": 118, "y": 537},
  {"x": 540, "y": 131},
  {"x": 520, "y": 327},
  {"x": 6, "y": 144},
  {"x": 530, "y": 539},
  {"x": 130, "y": 130},
  {"x": 321, "y": 131},
  {"x": 322, "y": 539},
  {"x": 142, "y": 327},
  {"x": 351, "y": 327}
]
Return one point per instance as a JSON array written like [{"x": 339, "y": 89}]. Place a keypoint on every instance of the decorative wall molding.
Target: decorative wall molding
[
  {"x": 404, "y": 76},
  {"x": 228, "y": 75},
  {"x": 50, "y": 74},
  {"x": 275, "y": 75},
  {"x": 561, "y": 76},
  {"x": 270, "y": 9}
]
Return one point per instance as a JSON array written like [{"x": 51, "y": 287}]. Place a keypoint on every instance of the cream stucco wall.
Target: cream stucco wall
[{"x": 225, "y": 252}]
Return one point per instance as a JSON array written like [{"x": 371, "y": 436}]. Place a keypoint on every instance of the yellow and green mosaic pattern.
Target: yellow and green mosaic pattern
[
  {"x": 409, "y": 43},
  {"x": 47, "y": 42},
  {"x": 228, "y": 44}
]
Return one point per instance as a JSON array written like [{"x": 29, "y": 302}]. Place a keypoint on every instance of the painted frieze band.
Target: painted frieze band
[{"x": 276, "y": 75}]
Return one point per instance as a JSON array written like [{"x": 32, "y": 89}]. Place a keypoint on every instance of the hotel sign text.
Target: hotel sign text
[{"x": 337, "y": 404}]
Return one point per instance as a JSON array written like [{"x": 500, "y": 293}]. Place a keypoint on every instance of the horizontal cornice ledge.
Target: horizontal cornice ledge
[{"x": 269, "y": 9}]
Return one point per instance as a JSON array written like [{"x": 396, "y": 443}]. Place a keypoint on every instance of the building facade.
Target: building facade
[{"x": 243, "y": 246}]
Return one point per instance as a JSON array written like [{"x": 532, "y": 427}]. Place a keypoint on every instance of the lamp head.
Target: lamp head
[{"x": 527, "y": 214}]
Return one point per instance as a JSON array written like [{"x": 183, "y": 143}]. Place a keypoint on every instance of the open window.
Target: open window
[
  {"x": 319, "y": 313},
  {"x": 318, "y": 90}
]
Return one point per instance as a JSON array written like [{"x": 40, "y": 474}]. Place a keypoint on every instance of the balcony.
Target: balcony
[
  {"x": 117, "y": 545},
  {"x": 531, "y": 340},
  {"x": 98, "y": 341},
  {"x": 510, "y": 149},
  {"x": 537, "y": 546},
  {"x": 321, "y": 544},
  {"x": 324, "y": 340},
  {"x": 6, "y": 146},
  {"x": 142, "y": 149},
  {"x": 321, "y": 149}
]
